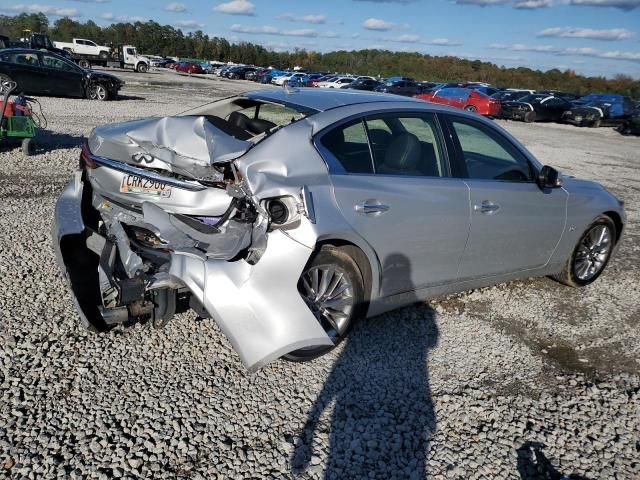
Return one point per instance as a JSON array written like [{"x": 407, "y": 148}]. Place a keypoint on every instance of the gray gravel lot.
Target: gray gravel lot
[{"x": 468, "y": 386}]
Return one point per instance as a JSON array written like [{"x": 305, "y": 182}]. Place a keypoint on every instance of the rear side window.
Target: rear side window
[
  {"x": 409, "y": 146},
  {"x": 349, "y": 145},
  {"x": 487, "y": 155},
  {"x": 25, "y": 59}
]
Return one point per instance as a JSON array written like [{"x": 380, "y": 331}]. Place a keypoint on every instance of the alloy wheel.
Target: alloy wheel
[
  {"x": 593, "y": 252},
  {"x": 99, "y": 92},
  {"x": 328, "y": 292}
]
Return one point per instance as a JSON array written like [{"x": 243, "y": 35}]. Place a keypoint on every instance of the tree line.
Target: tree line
[{"x": 153, "y": 38}]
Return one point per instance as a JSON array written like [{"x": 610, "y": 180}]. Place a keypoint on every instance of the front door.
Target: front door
[
  {"x": 65, "y": 78},
  {"x": 399, "y": 197},
  {"x": 515, "y": 226}
]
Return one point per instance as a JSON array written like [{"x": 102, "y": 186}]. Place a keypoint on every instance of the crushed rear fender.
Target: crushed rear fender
[{"x": 258, "y": 307}]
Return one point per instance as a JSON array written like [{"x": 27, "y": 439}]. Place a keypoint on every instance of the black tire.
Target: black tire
[
  {"x": 568, "y": 275},
  {"x": 596, "y": 123},
  {"x": 530, "y": 117},
  {"x": 103, "y": 55},
  {"x": 470, "y": 108},
  {"x": 142, "y": 67},
  {"x": 28, "y": 146},
  {"x": 333, "y": 258},
  {"x": 84, "y": 63},
  {"x": 6, "y": 78},
  {"x": 98, "y": 92}
]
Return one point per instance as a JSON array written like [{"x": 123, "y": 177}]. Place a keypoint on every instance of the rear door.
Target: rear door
[
  {"x": 515, "y": 226},
  {"x": 24, "y": 68},
  {"x": 398, "y": 195}
]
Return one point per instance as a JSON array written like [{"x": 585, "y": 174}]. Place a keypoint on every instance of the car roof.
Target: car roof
[{"x": 320, "y": 99}]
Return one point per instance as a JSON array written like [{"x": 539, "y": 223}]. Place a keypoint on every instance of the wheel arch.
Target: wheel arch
[
  {"x": 617, "y": 221},
  {"x": 368, "y": 267}
]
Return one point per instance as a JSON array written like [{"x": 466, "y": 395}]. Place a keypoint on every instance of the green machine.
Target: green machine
[{"x": 16, "y": 119}]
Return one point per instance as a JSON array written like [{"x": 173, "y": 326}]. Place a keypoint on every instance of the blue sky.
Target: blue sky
[{"x": 593, "y": 37}]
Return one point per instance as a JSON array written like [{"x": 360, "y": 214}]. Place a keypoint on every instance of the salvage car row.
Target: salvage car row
[{"x": 593, "y": 110}]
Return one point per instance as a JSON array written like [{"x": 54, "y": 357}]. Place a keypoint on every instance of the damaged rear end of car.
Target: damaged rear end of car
[{"x": 161, "y": 218}]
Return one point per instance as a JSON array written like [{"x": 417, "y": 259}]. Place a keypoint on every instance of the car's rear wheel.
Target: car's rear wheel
[
  {"x": 332, "y": 286},
  {"x": 470, "y": 108},
  {"x": 84, "y": 64},
  {"x": 530, "y": 117},
  {"x": 591, "y": 254},
  {"x": 596, "y": 123}
]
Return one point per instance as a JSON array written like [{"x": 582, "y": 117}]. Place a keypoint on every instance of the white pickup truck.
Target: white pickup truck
[
  {"x": 85, "y": 48},
  {"x": 87, "y": 53}
]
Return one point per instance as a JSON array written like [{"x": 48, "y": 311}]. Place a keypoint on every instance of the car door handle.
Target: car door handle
[
  {"x": 371, "y": 207},
  {"x": 486, "y": 207}
]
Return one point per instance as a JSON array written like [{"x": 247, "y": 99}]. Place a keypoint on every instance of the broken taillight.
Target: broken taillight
[{"x": 85, "y": 157}]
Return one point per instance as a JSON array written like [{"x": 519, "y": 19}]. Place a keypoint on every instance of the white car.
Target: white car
[
  {"x": 337, "y": 82},
  {"x": 285, "y": 78}
]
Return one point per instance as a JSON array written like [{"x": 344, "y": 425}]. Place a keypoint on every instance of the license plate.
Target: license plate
[{"x": 144, "y": 186}]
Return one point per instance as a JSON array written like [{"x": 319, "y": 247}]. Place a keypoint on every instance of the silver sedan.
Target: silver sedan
[{"x": 286, "y": 214}]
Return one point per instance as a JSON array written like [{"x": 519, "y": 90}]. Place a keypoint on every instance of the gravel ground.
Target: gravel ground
[{"x": 476, "y": 385}]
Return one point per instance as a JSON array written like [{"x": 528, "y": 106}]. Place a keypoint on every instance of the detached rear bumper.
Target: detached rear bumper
[{"x": 258, "y": 307}]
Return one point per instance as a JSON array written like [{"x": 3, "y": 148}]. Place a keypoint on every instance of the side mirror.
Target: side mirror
[{"x": 549, "y": 177}]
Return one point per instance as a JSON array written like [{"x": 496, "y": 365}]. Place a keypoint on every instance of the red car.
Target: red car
[
  {"x": 464, "y": 98},
  {"x": 189, "y": 67}
]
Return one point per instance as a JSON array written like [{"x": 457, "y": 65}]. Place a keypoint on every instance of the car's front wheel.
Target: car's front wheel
[
  {"x": 98, "y": 92},
  {"x": 591, "y": 255},
  {"x": 332, "y": 286}
]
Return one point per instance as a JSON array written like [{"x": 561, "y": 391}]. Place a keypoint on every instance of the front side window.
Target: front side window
[
  {"x": 487, "y": 155},
  {"x": 57, "y": 64}
]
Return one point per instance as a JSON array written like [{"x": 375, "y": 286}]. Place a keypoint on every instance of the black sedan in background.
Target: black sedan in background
[
  {"x": 368, "y": 84},
  {"x": 44, "y": 73},
  {"x": 535, "y": 107}
]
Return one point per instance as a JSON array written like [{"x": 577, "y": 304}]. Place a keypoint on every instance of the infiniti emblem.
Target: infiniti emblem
[{"x": 142, "y": 157}]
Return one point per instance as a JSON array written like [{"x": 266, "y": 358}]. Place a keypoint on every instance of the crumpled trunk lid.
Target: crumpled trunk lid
[{"x": 187, "y": 145}]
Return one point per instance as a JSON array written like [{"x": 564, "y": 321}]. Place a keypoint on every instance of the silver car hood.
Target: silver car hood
[{"x": 188, "y": 145}]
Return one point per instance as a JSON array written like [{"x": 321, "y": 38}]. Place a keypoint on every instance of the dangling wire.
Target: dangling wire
[{"x": 39, "y": 118}]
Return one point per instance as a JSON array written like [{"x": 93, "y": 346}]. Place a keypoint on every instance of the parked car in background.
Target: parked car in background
[
  {"x": 238, "y": 73},
  {"x": 464, "y": 98},
  {"x": 487, "y": 90},
  {"x": 537, "y": 107},
  {"x": 349, "y": 223},
  {"x": 368, "y": 84},
  {"x": 564, "y": 95},
  {"x": 40, "y": 72},
  {"x": 631, "y": 126},
  {"x": 318, "y": 81},
  {"x": 509, "y": 95},
  {"x": 288, "y": 77},
  {"x": 599, "y": 109},
  {"x": 404, "y": 86},
  {"x": 337, "y": 82},
  {"x": 189, "y": 67}
]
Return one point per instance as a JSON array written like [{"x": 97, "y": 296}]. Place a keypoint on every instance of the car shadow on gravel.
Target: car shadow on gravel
[
  {"x": 375, "y": 407},
  {"x": 47, "y": 141}
]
